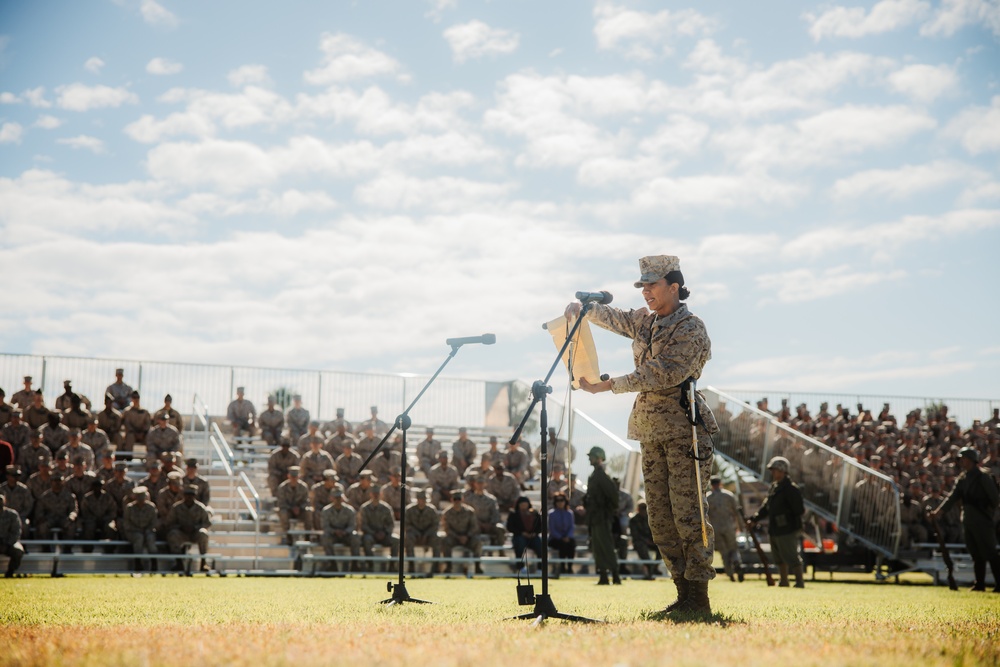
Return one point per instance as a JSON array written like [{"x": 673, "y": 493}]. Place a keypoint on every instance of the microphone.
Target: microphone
[
  {"x": 594, "y": 297},
  {"x": 485, "y": 339}
]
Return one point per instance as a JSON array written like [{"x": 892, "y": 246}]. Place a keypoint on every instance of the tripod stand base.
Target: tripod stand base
[
  {"x": 400, "y": 595},
  {"x": 545, "y": 608}
]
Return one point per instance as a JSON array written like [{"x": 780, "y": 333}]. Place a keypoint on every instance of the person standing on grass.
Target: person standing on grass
[
  {"x": 979, "y": 497},
  {"x": 10, "y": 538},
  {"x": 601, "y": 502},
  {"x": 783, "y": 508},
  {"x": 670, "y": 347}
]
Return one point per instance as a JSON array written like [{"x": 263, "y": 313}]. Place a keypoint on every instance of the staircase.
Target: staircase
[{"x": 862, "y": 503}]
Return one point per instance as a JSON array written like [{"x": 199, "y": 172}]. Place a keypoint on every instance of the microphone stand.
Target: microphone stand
[
  {"x": 398, "y": 590},
  {"x": 544, "y": 606}
]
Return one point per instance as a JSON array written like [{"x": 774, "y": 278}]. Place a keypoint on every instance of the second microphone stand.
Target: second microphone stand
[
  {"x": 398, "y": 590},
  {"x": 544, "y": 606}
]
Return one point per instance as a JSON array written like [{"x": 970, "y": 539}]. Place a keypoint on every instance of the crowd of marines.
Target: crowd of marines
[{"x": 66, "y": 478}]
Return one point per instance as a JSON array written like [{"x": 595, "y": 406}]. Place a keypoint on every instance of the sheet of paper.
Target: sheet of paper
[{"x": 581, "y": 351}]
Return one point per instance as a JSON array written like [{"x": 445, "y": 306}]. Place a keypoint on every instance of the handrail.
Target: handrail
[
  {"x": 621, "y": 443},
  {"x": 227, "y": 450},
  {"x": 873, "y": 521},
  {"x": 222, "y": 456},
  {"x": 256, "y": 520}
]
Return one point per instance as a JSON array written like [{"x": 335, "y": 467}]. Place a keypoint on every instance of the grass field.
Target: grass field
[{"x": 205, "y": 621}]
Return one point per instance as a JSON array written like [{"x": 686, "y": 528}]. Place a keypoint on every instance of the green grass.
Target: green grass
[{"x": 178, "y": 621}]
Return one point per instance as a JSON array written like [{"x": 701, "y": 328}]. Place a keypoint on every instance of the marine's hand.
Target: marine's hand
[
  {"x": 595, "y": 388},
  {"x": 572, "y": 310}
]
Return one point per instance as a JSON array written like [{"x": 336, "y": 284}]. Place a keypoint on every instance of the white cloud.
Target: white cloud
[
  {"x": 441, "y": 194},
  {"x": 227, "y": 165},
  {"x": 287, "y": 204},
  {"x": 85, "y": 142},
  {"x": 9, "y": 98},
  {"x": 11, "y": 133},
  {"x": 80, "y": 97},
  {"x": 855, "y": 22},
  {"x": 643, "y": 35},
  {"x": 977, "y": 128},
  {"x": 156, "y": 14},
  {"x": 252, "y": 106},
  {"x": 256, "y": 74},
  {"x": 715, "y": 192},
  {"x": 36, "y": 97},
  {"x": 163, "y": 67},
  {"x": 475, "y": 39},
  {"x": 347, "y": 58},
  {"x": 66, "y": 205},
  {"x": 47, "y": 122},
  {"x": 94, "y": 65},
  {"x": 438, "y": 8},
  {"x": 953, "y": 15},
  {"x": 824, "y": 138},
  {"x": 890, "y": 236},
  {"x": 149, "y": 130},
  {"x": 906, "y": 181},
  {"x": 801, "y": 285},
  {"x": 924, "y": 83},
  {"x": 679, "y": 135}
]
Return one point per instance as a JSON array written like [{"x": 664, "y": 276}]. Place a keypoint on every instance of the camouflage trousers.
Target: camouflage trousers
[{"x": 672, "y": 500}]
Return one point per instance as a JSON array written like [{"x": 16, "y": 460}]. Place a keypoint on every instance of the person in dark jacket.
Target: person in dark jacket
[
  {"x": 783, "y": 508},
  {"x": 524, "y": 524},
  {"x": 601, "y": 503},
  {"x": 979, "y": 496}
]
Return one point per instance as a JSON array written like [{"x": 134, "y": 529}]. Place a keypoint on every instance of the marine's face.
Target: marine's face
[{"x": 660, "y": 297}]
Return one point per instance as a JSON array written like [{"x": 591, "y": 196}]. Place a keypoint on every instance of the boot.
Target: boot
[
  {"x": 797, "y": 571},
  {"x": 697, "y": 599},
  {"x": 603, "y": 581},
  {"x": 616, "y": 579},
  {"x": 783, "y": 572},
  {"x": 204, "y": 565},
  {"x": 979, "y": 569},
  {"x": 479, "y": 569},
  {"x": 411, "y": 568},
  {"x": 995, "y": 566},
  {"x": 683, "y": 588},
  {"x": 739, "y": 574}
]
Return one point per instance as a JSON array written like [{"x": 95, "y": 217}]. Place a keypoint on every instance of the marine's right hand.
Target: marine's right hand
[{"x": 573, "y": 310}]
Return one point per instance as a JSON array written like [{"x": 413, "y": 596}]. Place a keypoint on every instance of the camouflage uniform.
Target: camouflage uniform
[
  {"x": 19, "y": 499},
  {"x": 339, "y": 526},
  {"x": 374, "y": 517},
  {"x": 110, "y": 421},
  {"x": 422, "y": 529},
  {"x": 34, "y": 417},
  {"x": 458, "y": 523},
  {"x": 442, "y": 479},
  {"x": 293, "y": 493},
  {"x": 30, "y": 458},
  {"x": 271, "y": 422},
  {"x": 298, "y": 423},
  {"x": 241, "y": 415},
  {"x": 56, "y": 510},
  {"x": 427, "y": 453},
  {"x": 334, "y": 445},
  {"x": 97, "y": 440},
  {"x": 139, "y": 527},
  {"x": 80, "y": 450},
  {"x": 505, "y": 489},
  {"x": 321, "y": 496},
  {"x": 188, "y": 523},
  {"x": 173, "y": 417},
  {"x": 137, "y": 422},
  {"x": 488, "y": 515},
  {"x": 120, "y": 393},
  {"x": 667, "y": 351},
  {"x": 724, "y": 513},
  {"x": 97, "y": 514},
  {"x": 159, "y": 441},
  {"x": 278, "y": 464},
  {"x": 54, "y": 436},
  {"x": 348, "y": 467},
  {"x": 463, "y": 454},
  {"x": 395, "y": 497},
  {"x": 18, "y": 436},
  {"x": 357, "y": 494},
  {"x": 313, "y": 464},
  {"x": 10, "y": 539}
]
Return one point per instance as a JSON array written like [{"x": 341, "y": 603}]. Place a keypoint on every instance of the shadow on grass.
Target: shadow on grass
[{"x": 722, "y": 620}]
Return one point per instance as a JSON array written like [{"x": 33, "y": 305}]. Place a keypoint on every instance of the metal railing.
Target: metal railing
[
  {"x": 253, "y": 508},
  {"x": 863, "y": 503},
  {"x": 450, "y": 402},
  {"x": 964, "y": 410}
]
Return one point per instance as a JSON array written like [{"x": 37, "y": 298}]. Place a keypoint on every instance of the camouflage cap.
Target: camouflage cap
[
  {"x": 121, "y": 465},
  {"x": 654, "y": 267},
  {"x": 140, "y": 491},
  {"x": 12, "y": 470},
  {"x": 778, "y": 463},
  {"x": 375, "y": 488},
  {"x": 294, "y": 470},
  {"x": 74, "y": 431},
  {"x": 175, "y": 476},
  {"x": 456, "y": 495},
  {"x": 168, "y": 399},
  {"x": 329, "y": 474},
  {"x": 191, "y": 463},
  {"x": 190, "y": 490},
  {"x": 336, "y": 492}
]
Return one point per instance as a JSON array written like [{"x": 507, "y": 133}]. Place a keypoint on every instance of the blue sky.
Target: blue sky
[{"x": 345, "y": 185}]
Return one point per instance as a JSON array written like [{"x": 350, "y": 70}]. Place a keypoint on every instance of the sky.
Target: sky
[{"x": 344, "y": 185}]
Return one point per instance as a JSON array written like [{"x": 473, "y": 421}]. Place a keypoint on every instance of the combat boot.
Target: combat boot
[
  {"x": 697, "y": 601},
  {"x": 616, "y": 579},
  {"x": 683, "y": 588},
  {"x": 797, "y": 571},
  {"x": 783, "y": 572},
  {"x": 603, "y": 581}
]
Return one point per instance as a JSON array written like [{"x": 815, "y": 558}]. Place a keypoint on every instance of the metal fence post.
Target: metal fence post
[
  {"x": 41, "y": 385},
  {"x": 138, "y": 384}
]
